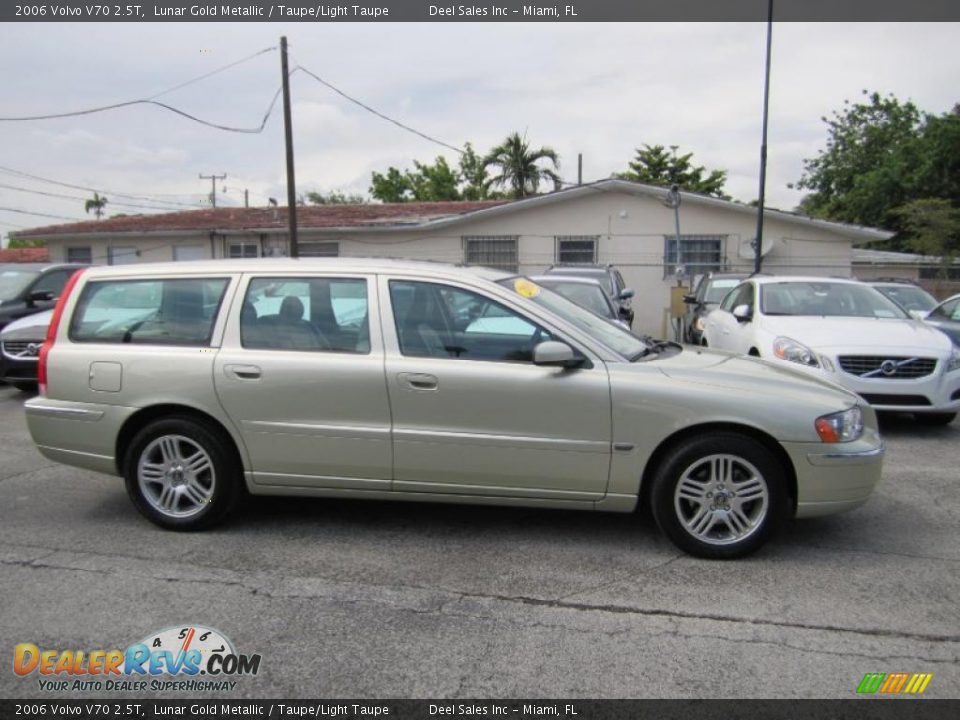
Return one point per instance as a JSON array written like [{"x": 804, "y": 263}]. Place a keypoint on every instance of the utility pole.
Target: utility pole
[
  {"x": 246, "y": 198},
  {"x": 579, "y": 168},
  {"x": 758, "y": 248},
  {"x": 213, "y": 186},
  {"x": 288, "y": 136}
]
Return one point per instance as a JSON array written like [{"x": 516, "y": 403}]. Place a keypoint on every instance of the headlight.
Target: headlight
[
  {"x": 788, "y": 349},
  {"x": 954, "y": 363},
  {"x": 698, "y": 324},
  {"x": 840, "y": 427}
]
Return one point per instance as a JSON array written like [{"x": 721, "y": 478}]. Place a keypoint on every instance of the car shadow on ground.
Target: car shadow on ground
[{"x": 894, "y": 424}]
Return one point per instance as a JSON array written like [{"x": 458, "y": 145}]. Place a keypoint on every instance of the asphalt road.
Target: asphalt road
[{"x": 381, "y": 600}]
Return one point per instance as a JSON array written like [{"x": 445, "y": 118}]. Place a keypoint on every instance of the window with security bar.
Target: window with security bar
[
  {"x": 698, "y": 253},
  {"x": 243, "y": 250},
  {"x": 498, "y": 252},
  {"x": 577, "y": 249},
  {"x": 80, "y": 255}
]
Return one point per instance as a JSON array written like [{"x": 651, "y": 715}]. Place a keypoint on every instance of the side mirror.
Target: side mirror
[
  {"x": 917, "y": 314},
  {"x": 690, "y": 300},
  {"x": 556, "y": 354},
  {"x": 39, "y": 296},
  {"x": 742, "y": 313},
  {"x": 626, "y": 294}
]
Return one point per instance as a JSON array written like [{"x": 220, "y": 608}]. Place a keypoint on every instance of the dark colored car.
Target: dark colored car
[
  {"x": 20, "y": 343},
  {"x": 946, "y": 317},
  {"x": 912, "y": 298},
  {"x": 708, "y": 295},
  {"x": 28, "y": 288},
  {"x": 586, "y": 292},
  {"x": 610, "y": 279}
]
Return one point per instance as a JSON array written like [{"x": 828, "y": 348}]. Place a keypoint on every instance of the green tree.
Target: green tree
[
  {"x": 425, "y": 183},
  {"x": 474, "y": 178},
  {"x": 97, "y": 203},
  {"x": 932, "y": 226},
  {"x": 655, "y": 165},
  {"x": 870, "y": 163},
  {"x": 16, "y": 242},
  {"x": 335, "y": 197},
  {"x": 391, "y": 187},
  {"x": 519, "y": 168}
]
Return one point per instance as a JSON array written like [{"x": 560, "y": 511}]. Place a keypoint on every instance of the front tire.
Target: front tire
[
  {"x": 182, "y": 474},
  {"x": 720, "y": 496}
]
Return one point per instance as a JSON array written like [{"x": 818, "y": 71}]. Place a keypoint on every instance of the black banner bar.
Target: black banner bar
[
  {"x": 872, "y": 709},
  {"x": 477, "y": 11}
]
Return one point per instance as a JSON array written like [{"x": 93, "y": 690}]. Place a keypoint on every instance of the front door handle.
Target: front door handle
[
  {"x": 242, "y": 372},
  {"x": 418, "y": 381}
]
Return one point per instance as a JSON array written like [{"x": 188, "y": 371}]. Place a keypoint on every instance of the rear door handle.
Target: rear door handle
[
  {"x": 418, "y": 381},
  {"x": 242, "y": 372}
]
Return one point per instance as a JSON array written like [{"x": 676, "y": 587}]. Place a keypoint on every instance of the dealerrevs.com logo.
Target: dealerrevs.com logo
[{"x": 187, "y": 658}]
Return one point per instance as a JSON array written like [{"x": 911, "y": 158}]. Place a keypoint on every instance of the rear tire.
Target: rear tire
[
  {"x": 182, "y": 474},
  {"x": 720, "y": 496},
  {"x": 934, "y": 419}
]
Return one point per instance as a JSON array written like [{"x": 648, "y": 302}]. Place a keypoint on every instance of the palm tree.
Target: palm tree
[
  {"x": 96, "y": 203},
  {"x": 517, "y": 166}
]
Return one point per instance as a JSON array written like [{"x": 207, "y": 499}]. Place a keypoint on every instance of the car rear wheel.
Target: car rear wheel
[
  {"x": 182, "y": 474},
  {"x": 935, "y": 418},
  {"x": 719, "y": 496}
]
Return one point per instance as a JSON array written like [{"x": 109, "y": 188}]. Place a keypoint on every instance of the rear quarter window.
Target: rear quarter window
[{"x": 152, "y": 312}]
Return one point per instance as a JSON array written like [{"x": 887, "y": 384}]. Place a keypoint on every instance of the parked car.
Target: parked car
[
  {"x": 911, "y": 297},
  {"x": 20, "y": 343},
  {"x": 848, "y": 333},
  {"x": 610, "y": 279},
  {"x": 28, "y": 288},
  {"x": 586, "y": 292},
  {"x": 946, "y": 318},
  {"x": 710, "y": 290},
  {"x": 419, "y": 398}
]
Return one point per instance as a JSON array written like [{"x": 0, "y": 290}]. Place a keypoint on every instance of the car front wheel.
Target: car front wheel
[
  {"x": 719, "y": 496},
  {"x": 181, "y": 474}
]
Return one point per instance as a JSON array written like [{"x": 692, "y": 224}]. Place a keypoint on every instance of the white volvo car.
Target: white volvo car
[{"x": 847, "y": 332}]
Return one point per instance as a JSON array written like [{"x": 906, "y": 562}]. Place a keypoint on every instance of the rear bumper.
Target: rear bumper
[
  {"x": 80, "y": 434},
  {"x": 835, "y": 478}
]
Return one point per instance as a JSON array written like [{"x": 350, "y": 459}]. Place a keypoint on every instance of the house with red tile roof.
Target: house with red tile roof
[{"x": 613, "y": 221}]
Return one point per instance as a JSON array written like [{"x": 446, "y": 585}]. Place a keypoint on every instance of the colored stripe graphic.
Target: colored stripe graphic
[{"x": 894, "y": 683}]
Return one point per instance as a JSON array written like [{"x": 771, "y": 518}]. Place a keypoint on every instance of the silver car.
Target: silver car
[{"x": 395, "y": 380}]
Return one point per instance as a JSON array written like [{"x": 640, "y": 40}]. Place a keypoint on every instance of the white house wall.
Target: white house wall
[{"x": 630, "y": 228}]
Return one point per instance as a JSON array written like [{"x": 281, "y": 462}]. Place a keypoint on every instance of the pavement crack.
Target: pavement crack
[
  {"x": 28, "y": 472},
  {"x": 621, "y": 578}
]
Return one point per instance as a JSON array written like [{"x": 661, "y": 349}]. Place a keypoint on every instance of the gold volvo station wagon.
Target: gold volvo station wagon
[{"x": 201, "y": 382}]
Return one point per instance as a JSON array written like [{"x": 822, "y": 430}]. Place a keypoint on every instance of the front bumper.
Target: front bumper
[
  {"x": 17, "y": 370},
  {"x": 838, "y": 477},
  {"x": 937, "y": 392}
]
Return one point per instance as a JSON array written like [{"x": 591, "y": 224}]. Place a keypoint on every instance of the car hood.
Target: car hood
[
  {"x": 31, "y": 327},
  {"x": 742, "y": 374},
  {"x": 853, "y": 333}
]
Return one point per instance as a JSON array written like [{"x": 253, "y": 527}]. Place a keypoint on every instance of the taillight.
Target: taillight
[{"x": 52, "y": 331}]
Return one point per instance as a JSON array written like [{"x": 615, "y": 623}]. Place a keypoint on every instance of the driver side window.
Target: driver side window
[
  {"x": 947, "y": 311},
  {"x": 742, "y": 295},
  {"x": 434, "y": 320}
]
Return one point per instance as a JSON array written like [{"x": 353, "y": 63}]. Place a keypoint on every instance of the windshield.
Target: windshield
[
  {"x": 613, "y": 336},
  {"x": 590, "y": 297},
  {"x": 826, "y": 299},
  {"x": 717, "y": 289},
  {"x": 908, "y": 297},
  {"x": 606, "y": 282},
  {"x": 13, "y": 281}
]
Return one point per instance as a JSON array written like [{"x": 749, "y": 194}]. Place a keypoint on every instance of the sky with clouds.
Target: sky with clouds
[{"x": 592, "y": 88}]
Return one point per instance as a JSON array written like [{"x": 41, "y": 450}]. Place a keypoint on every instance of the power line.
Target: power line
[
  {"x": 46, "y": 215},
  {"x": 78, "y": 197},
  {"x": 377, "y": 112},
  {"x": 85, "y": 188},
  {"x": 212, "y": 73}
]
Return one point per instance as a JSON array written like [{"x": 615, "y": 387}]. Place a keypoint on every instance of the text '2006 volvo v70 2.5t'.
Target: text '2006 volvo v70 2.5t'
[{"x": 198, "y": 382}]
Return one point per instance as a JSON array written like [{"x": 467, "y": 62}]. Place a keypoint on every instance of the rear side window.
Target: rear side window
[
  {"x": 313, "y": 314},
  {"x": 154, "y": 312}
]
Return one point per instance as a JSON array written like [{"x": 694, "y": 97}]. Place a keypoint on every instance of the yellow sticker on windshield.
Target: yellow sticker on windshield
[{"x": 526, "y": 288}]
